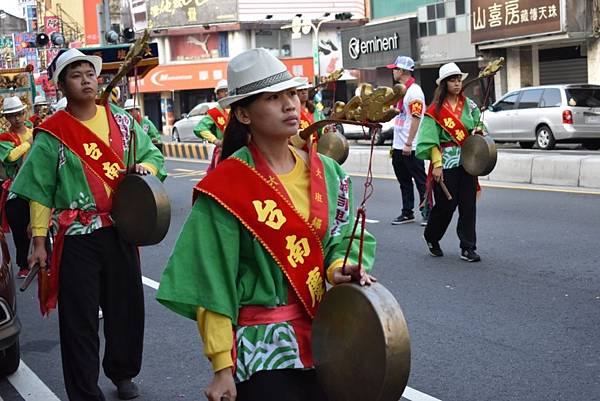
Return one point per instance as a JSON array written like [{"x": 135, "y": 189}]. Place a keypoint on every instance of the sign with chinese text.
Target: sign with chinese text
[
  {"x": 51, "y": 25},
  {"x": 173, "y": 13},
  {"x": 506, "y": 19}
]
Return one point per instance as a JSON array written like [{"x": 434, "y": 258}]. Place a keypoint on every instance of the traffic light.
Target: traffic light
[
  {"x": 128, "y": 34},
  {"x": 41, "y": 40},
  {"x": 57, "y": 39},
  {"x": 111, "y": 37},
  {"x": 343, "y": 16}
]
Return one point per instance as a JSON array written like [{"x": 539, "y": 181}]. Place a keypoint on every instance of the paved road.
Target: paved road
[{"x": 521, "y": 325}]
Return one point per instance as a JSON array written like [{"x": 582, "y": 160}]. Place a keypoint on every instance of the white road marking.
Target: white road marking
[
  {"x": 371, "y": 221},
  {"x": 29, "y": 385},
  {"x": 149, "y": 282}
]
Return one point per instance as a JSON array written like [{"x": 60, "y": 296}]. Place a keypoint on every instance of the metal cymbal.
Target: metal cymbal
[
  {"x": 335, "y": 145},
  {"x": 361, "y": 344},
  {"x": 478, "y": 155}
]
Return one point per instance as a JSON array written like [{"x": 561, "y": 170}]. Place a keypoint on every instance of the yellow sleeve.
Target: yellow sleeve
[
  {"x": 150, "y": 167},
  {"x": 40, "y": 218},
  {"x": 217, "y": 335},
  {"x": 18, "y": 151},
  {"x": 336, "y": 264},
  {"x": 209, "y": 136},
  {"x": 436, "y": 157}
]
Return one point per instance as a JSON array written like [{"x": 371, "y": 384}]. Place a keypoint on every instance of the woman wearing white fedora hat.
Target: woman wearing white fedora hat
[
  {"x": 447, "y": 123},
  {"x": 268, "y": 227},
  {"x": 14, "y": 146}
]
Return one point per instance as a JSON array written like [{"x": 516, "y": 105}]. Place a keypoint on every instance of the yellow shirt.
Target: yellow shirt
[{"x": 40, "y": 214}]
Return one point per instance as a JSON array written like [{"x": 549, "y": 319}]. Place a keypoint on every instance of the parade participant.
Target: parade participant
[
  {"x": 406, "y": 125},
  {"x": 14, "y": 146},
  {"x": 61, "y": 104},
  {"x": 71, "y": 173},
  {"x": 212, "y": 126},
  {"x": 256, "y": 258},
  {"x": 40, "y": 107},
  {"x": 447, "y": 123},
  {"x": 147, "y": 125},
  {"x": 307, "y": 107}
]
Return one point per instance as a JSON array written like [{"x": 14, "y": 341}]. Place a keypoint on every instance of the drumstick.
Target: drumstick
[{"x": 445, "y": 189}]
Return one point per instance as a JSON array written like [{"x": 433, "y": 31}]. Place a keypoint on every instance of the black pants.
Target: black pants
[
  {"x": 17, "y": 214},
  {"x": 406, "y": 169},
  {"x": 463, "y": 188},
  {"x": 281, "y": 385},
  {"x": 99, "y": 269}
]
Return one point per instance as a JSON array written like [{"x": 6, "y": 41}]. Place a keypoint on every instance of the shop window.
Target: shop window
[
  {"x": 530, "y": 99},
  {"x": 451, "y": 25},
  {"x": 551, "y": 98},
  {"x": 460, "y": 7},
  {"x": 422, "y": 29},
  {"x": 431, "y": 30},
  {"x": 277, "y": 41}
]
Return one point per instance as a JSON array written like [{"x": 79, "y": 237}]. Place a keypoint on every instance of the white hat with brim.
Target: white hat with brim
[
  {"x": 40, "y": 100},
  {"x": 69, "y": 57},
  {"x": 61, "y": 104},
  {"x": 308, "y": 85},
  {"x": 222, "y": 84},
  {"x": 12, "y": 105},
  {"x": 130, "y": 105},
  {"x": 257, "y": 71},
  {"x": 448, "y": 70}
]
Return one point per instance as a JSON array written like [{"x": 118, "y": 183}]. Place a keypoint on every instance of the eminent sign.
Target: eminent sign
[
  {"x": 378, "y": 45},
  {"x": 507, "y": 19}
]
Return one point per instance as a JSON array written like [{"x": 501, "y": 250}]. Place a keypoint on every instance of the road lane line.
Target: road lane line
[
  {"x": 371, "y": 221},
  {"x": 30, "y": 386},
  {"x": 409, "y": 393}
]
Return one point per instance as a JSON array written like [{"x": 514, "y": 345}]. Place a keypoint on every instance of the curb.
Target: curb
[{"x": 198, "y": 151}]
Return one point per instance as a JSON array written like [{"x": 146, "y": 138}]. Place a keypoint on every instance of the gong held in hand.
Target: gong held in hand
[{"x": 478, "y": 155}]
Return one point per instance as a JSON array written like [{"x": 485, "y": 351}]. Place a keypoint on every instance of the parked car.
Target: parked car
[
  {"x": 183, "y": 129},
  {"x": 10, "y": 326},
  {"x": 546, "y": 115},
  {"x": 351, "y": 131}
]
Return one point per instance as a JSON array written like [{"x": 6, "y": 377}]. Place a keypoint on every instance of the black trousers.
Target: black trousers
[
  {"x": 281, "y": 385},
  {"x": 463, "y": 188},
  {"x": 17, "y": 214},
  {"x": 406, "y": 169},
  {"x": 99, "y": 269}
]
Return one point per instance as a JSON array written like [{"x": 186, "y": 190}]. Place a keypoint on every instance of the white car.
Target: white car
[
  {"x": 351, "y": 131},
  {"x": 183, "y": 129}
]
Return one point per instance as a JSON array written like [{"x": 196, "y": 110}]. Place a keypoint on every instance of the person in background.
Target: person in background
[
  {"x": 14, "y": 210},
  {"x": 147, "y": 125},
  {"x": 449, "y": 120},
  {"x": 406, "y": 166},
  {"x": 40, "y": 110},
  {"x": 212, "y": 126},
  {"x": 307, "y": 107}
]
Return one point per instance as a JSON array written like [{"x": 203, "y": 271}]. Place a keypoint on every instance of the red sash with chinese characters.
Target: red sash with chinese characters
[
  {"x": 219, "y": 116},
  {"x": 306, "y": 118},
  {"x": 267, "y": 212},
  {"x": 450, "y": 121}
]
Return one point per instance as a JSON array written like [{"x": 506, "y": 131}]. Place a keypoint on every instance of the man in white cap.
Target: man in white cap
[
  {"x": 71, "y": 173},
  {"x": 406, "y": 166},
  {"x": 147, "y": 125},
  {"x": 14, "y": 146},
  {"x": 212, "y": 126}
]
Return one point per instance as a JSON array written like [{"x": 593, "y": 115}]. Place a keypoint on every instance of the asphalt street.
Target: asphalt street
[{"x": 520, "y": 325}]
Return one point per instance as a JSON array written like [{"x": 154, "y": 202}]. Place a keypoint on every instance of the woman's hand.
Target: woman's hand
[
  {"x": 137, "y": 169},
  {"x": 352, "y": 273},
  {"x": 438, "y": 174},
  {"x": 222, "y": 386},
  {"x": 39, "y": 254}
]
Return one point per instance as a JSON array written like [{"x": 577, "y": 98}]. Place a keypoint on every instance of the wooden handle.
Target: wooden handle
[
  {"x": 445, "y": 190},
  {"x": 30, "y": 276}
]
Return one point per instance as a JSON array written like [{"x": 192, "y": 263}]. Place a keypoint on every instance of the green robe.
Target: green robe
[
  {"x": 53, "y": 176},
  {"x": 208, "y": 124},
  {"x": 150, "y": 129},
  {"x": 432, "y": 135}
]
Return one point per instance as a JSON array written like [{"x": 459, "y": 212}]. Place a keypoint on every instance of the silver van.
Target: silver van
[{"x": 546, "y": 115}]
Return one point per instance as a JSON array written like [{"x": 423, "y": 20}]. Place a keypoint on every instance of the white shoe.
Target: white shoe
[{"x": 100, "y": 314}]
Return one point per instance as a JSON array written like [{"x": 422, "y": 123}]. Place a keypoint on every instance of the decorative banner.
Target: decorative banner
[
  {"x": 506, "y": 19},
  {"x": 173, "y": 13},
  {"x": 51, "y": 25},
  {"x": 31, "y": 17},
  {"x": 26, "y": 55}
]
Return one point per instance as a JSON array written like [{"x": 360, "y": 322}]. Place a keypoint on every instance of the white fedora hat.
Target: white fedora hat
[
  {"x": 61, "y": 104},
  {"x": 222, "y": 84},
  {"x": 129, "y": 104},
  {"x": 256, "y": 71},
  {"x": 307, "y": 85},
  {"x": 40, "y": 100},
  {"x": 71, "y": 56},
  {"x": 12, "y": 105},
  {"x": 448, "y": 70}
]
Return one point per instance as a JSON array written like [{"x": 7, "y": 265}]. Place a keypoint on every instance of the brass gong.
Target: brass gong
[
  {"x": 478, "y": 155},
  {"x": 141, "y": 209},
  {"x": 361, "y": 344}
]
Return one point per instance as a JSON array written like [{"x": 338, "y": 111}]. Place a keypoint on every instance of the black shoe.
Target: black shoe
[
  {"x": 470, "y": 255},
  {"x": 126, "y": 389},
  {"x": 403, "y": 219},
  {"x": 434, "y": 248}
]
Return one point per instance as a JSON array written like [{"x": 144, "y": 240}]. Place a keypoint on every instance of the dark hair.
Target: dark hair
[
  {"x": 310, "y": 105},
  {"x": 63, "y": 73},
  {"x": 441, "y": 92},
  {"x": 236, "y": 134}
]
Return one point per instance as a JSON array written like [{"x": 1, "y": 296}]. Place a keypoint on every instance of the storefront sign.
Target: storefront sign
[
  {"x": 166, "y": 78},
  {"x": 377, "y": 45},
  {"x": 506, "y": 19},
  {"x": 174, "y": 13},
  {"x": 51, "y": 25}
]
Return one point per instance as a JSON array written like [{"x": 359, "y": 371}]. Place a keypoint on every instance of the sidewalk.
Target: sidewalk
[{"x": 564, "y": 170}]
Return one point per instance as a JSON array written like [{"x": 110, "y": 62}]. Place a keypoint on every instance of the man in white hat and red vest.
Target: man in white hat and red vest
[
  {"x": 212, "y": 126},
  {"x": 147, "y": 125},
  {"x": 406, "y": 166},
  {"x": 14, "y": 211},
  {"x": 70, "y": 177}
]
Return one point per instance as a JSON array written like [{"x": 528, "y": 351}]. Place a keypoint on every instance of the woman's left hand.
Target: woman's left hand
[
  {"x": 137, "y": 169},
  {"x": 354, "y": 273}
]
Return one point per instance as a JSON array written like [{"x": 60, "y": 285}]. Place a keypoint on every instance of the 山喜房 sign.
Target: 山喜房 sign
[{"x": 506, "y": 19}]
